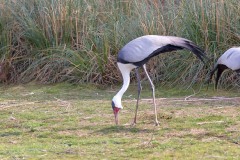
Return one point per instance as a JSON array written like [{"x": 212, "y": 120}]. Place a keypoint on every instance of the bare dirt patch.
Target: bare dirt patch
[{"x": 196, "y": 106}]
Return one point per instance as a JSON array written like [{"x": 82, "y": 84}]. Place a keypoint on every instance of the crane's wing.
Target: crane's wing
[{"x": 140, "y": 50}]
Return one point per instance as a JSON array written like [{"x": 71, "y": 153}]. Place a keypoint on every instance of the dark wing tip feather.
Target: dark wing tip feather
[{"x": 200, "y": 53}]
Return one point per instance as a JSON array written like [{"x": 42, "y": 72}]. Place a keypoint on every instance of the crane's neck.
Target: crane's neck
[
  {"x": 125, "y": 70},
  {"x": 126, "y": 82}
]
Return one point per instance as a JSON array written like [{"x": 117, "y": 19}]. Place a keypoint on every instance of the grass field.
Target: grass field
[{"x": 74, "y": 122}]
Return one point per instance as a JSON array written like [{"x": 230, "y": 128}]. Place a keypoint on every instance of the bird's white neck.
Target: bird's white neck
[{"x": 125, "y": 70}]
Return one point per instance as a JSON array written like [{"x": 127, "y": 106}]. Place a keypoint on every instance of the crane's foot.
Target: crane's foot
[
  {"x": 157, "y": 123},
  {"x": 133, "y": 124}
]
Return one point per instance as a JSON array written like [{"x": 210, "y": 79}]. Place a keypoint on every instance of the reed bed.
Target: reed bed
[{"x": 77, "y": 40}]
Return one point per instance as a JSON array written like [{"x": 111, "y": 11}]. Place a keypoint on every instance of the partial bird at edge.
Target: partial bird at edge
[{"x": 230, "y": 59}]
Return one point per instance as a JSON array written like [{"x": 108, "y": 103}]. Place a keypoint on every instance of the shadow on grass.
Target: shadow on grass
[
  {"x": 123, "y": 129},
  {"x": 6, "y": 134}
]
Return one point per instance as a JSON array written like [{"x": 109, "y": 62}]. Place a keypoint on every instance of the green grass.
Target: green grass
[{"x": 66, "y": 121}]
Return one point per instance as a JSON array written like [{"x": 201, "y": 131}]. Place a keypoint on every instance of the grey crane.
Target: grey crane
[
  {"x": 136, "y": 53},
  {"x": 228, "y": 60}
]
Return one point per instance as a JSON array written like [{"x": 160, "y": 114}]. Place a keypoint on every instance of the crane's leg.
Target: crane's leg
[
  {"x": 153, "y": 94},
  {"x": 138, "y": 97}
]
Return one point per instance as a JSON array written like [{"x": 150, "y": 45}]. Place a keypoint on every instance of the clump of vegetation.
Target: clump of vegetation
[{"x": 77, "y": 41}]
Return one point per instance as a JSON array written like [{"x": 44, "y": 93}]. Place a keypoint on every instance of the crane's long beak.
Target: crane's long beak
[
  {"x": 115, "y": 112},
  {"x": 116, "y": 118}
]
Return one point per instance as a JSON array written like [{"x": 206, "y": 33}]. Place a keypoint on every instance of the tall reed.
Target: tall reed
[{"x": 78, "y": 40}]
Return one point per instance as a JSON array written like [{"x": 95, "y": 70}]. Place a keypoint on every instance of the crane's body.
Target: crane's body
[
  {"x": 141, "y": 49},
  {"x": 137, "y": 52},
  {"x": 229, "y": 59}
]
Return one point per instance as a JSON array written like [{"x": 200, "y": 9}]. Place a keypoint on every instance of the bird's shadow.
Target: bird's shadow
[{"x": 123, "y": 129}]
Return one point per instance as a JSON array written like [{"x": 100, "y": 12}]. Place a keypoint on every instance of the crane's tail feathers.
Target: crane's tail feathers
[{"x": 196, "y": 50}]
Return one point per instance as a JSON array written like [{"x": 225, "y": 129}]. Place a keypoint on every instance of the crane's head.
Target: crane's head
[{"x": 115, "y": 112}]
